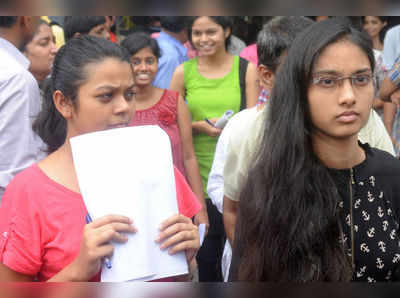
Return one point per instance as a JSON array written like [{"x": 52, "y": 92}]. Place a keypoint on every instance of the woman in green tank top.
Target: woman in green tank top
[{"x": 210, "y": 85}]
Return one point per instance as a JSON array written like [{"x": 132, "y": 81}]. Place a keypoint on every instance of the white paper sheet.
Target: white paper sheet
[{"x": 129, "y": 171}]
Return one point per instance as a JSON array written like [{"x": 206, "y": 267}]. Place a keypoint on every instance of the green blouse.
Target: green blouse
[{"x": 209, "y": 98}]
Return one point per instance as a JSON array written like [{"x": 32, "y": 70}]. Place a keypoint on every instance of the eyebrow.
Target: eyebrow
[
  {"x": 334, "y": 72},
  {"x": 108, "y": 87}
]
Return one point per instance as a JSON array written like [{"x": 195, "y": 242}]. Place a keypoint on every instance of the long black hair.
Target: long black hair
[
  {"x": 289, "y": 226},
  {"x": 68, "y": 74}
]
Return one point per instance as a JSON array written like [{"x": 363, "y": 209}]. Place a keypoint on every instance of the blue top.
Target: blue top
[
  {"x": 391, "y": 50},
  {"x": 173, "y": 53}
]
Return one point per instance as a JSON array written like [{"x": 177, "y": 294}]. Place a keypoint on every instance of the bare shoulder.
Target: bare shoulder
[
  {"x": 251, "y": 70},
  {"x": 178, "y": 80}
]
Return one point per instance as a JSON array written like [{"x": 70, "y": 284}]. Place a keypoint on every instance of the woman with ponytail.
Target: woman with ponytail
[
  {"x": 318, "y": 205},
  {"x": 44, "y": 235}
]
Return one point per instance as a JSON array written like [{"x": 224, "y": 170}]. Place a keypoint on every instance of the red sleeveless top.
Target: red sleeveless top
[{"x": 165, "y": 114}]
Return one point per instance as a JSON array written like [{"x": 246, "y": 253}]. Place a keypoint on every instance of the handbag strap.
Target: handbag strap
[{"x": 243, "y": 63}]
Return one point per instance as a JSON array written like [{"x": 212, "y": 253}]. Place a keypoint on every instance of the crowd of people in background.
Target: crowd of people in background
[{"x": 299, "y": 185}]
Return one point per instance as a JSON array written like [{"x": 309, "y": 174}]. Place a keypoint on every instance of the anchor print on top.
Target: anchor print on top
[
  {"x": 364, "y": 247},
  {"x": 372, "y": 180},
  {"x": 370, "y": 197},
  {"x": 371, "y": 232},
  {"x": 396, "y": 258},
  {"x": 382, "y": 246},
  {"x": 361, "y": 272},
  {"x": 385, "y": 225},
  {"x": 365, "y": 215},
  {"x": 393, "y": 234},
  {"x": 380, "y": 212},
  {"x": 379, "y": 263},
  {"x": 348, "y": 220},
  {"x": 357, "y": 204}
]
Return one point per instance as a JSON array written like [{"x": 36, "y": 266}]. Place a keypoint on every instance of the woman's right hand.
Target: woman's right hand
[
  {"x": 95, "y": 244},
  {"x": 210, "y": 130}
]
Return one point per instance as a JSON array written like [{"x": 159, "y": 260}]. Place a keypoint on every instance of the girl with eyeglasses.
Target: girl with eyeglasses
[{"x": 318, "y": 205}]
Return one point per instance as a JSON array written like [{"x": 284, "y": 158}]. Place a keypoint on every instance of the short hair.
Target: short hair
[
  {"x": 7, "y": 21},
  {"x": 174, "y": 24},
  {"x": 138, "y": 41},
  {"x": 276, "y": 37},
  {"x": 81, "y": 24}
]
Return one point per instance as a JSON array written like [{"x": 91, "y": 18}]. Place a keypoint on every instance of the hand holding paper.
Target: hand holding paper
[
  {"x": 129, "y": 171},
  {"x": 178, "y": 233},
  {"x": 96, "y": 243}
]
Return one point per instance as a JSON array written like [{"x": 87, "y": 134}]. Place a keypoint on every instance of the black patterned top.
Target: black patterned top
[{"x": 370, "y": 200}]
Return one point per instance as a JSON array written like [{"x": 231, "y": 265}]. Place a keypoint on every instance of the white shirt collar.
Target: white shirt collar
[{"x": 14, "y": 52}]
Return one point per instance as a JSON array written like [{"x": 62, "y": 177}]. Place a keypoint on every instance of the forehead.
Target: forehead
[
  {"x": 372, "y": 18},
  {"x": 43, "y": 30},
  {"x": 205, "y": 21},
  {"x": 108, "y": 71},
  {"x": 145, "y": 52},
  {"x": 343, "y": 57}
]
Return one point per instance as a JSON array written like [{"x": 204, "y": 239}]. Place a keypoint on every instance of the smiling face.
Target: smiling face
[
  {"x": 105, "y": 100},
  {"x": 208, "y": 37},
  {"x": 340, "y": 110},
  {"x": 145, "y": 66},
  {"x": 373, "y": 25},
  {"x": 41, "y": 52}
]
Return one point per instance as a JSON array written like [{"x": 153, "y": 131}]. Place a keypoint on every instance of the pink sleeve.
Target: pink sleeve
[
  {"x": 250, "y": 53},
  {"x": 20, "y": 229},
  {"x": 188, "y": 204}
]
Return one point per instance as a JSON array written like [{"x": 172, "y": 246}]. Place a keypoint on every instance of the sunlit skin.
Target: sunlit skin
[{"x": 41, "y": 51}]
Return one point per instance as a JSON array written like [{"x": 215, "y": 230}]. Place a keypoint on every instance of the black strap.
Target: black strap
[{"x": 242, "y": 80}]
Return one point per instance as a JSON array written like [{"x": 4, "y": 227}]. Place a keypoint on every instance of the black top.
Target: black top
[{"x": 370, "y": 203}]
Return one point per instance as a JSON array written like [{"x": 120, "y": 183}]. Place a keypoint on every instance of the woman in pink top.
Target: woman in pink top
[
  {"x": 165, "y": 108},
  {"x": 44, "y": 235}
]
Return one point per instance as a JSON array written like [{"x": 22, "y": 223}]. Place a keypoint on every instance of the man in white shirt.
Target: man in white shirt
[{"x": 19, "y": 99}]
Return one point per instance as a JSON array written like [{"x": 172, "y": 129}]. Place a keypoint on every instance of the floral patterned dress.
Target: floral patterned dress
[{"x": 165, "y": 114}]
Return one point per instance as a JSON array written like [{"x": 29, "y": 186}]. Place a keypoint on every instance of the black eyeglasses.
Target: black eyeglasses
[{"x": 332, "y": 81}]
